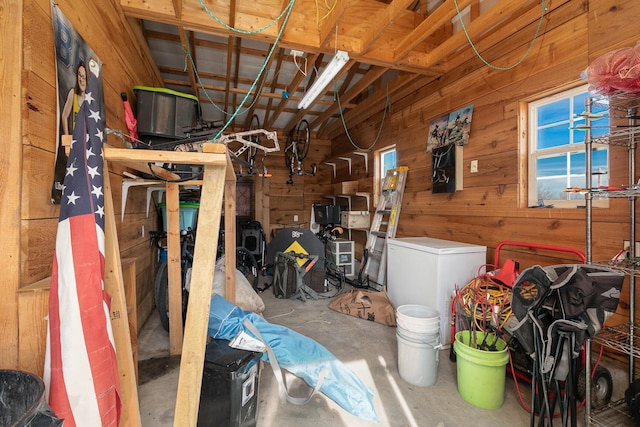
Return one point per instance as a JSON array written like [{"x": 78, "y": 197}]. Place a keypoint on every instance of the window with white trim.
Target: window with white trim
[
  {"x": 384, "y": 160},
  {"x": 557, "y": 150}
]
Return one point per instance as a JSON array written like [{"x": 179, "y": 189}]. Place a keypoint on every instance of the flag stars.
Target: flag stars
[
  {"x": 100, "y": 135},
  {"x": 71, "y": 169},
  {"x": 71, "y": 198},
  {"x": 95, "y": 115},
  {"x": 97, "y": 191},
  {"x": 93, "y": 171},
  {"x": 88, "y": 98},
  {"x": 100, "y": 211},
  {"x": 90, "y": 153}
]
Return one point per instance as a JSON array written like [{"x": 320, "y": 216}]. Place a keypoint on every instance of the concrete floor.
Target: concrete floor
[{"x": 369, "y": 349}]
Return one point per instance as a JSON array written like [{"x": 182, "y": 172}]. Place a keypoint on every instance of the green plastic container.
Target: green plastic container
[
  {"x": 481, "y": 373},
  {"x": 188, "y": 215}
]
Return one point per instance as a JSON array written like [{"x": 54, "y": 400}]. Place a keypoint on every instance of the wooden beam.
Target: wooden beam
[
  {"x": 143, "y": 157},
  {"x": 382, "y": 21},
  {"x": 114, "y": 286},
  {"x": 230, "y": 233},
  {"x": 291, "y": 88},
  {"x": 441, "y": 16},
  {"x": 524, "y": 25},
  {"x": 481, "y": 25},
  {"x": 11, "y": 157},
  {"x": 227, "y": 87},
  {"x": 328, "y": 27},
  {"x": 187, "y": 47},
  {"x": 177, "y": 8},
  {"x": 174, "y": 266},
  {"x": 195, "y": 333},
  {"x": 258, "y": 88},
  {"x": 274, "y": 85},
  {"x": 236, "y": 76},
  {"x": 230, "y": 41},
  {"x": 398, "y": 88}
]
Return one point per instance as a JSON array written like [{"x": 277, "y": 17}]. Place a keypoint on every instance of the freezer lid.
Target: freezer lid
[{"x": 435, "y": 246}]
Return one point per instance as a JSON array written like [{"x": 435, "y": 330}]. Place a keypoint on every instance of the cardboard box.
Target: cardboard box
[
  {"x": 346, "y": 187},
  {"x": 355, "y": 219}
]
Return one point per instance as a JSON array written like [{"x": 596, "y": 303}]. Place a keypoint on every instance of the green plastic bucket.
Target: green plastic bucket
[{"x": 481, "y": 373}]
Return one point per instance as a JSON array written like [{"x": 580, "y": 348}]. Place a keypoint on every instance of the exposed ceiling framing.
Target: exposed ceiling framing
[{"x": 396, "y": 47}]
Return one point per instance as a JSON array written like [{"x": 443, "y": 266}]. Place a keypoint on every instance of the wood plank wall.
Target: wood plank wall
[
  {"x": 492, "y": 207},
  {"x": 489, "y": 210},
  {"x": 126, "y": 62}
]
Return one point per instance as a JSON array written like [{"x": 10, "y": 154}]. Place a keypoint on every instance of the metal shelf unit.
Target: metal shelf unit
[{"x": 623, "y": 338}]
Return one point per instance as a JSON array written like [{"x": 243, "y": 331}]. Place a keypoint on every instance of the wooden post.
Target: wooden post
[
  {"x": 230, "y": 233},
  {"x": 174, "y": 268},
  {"x": 195, "y": 333},
  {"x": 114, "y": 286}
]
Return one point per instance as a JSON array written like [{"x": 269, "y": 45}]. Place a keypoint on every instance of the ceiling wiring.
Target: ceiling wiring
[
  {"x": 318, "y": 19},
  {"x": 387, "y": 106},
  {"x": 239, "y": 110},
  {"x": 187, "y": 55},
  {"x": 287, "y": 14},
  {"x": 286, "y": 10},
  {"x": 544, "y": 8},
  {"x": 295, "y": 61}
]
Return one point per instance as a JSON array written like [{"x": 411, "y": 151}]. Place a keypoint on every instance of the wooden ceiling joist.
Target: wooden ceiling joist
[
  {"x": 187, "y": 47},
  {"x": 441, "y": 16},
  {"x": 382, "y": 21},
  {"x": 415, "y": 38}
]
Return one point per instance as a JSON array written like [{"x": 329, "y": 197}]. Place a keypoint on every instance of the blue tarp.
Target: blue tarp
[{"x": 299, "y": 355}]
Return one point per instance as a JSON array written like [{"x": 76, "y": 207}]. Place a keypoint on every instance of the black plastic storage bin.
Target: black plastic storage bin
[
  {"x": 230, "y": 378},
  {"x": 22, "y": 402},
  {"x": 327, "y": 214},
  {"x": 165, "y": 113}
]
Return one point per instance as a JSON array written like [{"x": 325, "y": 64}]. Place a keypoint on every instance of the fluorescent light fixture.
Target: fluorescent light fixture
[{"x": 328, "y": 74}]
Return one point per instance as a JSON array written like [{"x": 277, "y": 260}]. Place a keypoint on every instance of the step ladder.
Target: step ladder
[{"x": 383, "y": 227}]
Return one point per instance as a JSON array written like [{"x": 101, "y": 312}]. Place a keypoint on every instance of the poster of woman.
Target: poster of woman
[{"x": 73, "y": 57}]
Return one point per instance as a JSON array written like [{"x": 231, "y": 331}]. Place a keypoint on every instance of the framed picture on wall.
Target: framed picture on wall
[
  {"x": 459, "y": 126},
  {"x": 438, "y": 132}
]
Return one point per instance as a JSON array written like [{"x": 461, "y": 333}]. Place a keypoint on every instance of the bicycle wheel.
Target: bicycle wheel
[
  {"x": 162, "y": 295},
  {"x": 161, "y": 288},
  {"x": 252, "y": 151},
  {"x": 302, "y": 139},
  {"x": 246, "y": 263}
]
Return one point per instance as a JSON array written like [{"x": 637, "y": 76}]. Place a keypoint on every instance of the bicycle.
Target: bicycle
[
  {"x": 297, "y": 150},
  {"x": 161, "y": 286},
  {"x": 245, "y": 263}
]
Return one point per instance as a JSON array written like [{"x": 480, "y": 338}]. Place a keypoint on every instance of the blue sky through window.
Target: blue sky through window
[{"x": 557, "y": 126}]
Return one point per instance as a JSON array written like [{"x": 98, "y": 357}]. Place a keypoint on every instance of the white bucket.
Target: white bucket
[
  {"x": 432, "y": 338},
  {"x": 418, "y": 318},
  {"x": 417, "y": 362}
]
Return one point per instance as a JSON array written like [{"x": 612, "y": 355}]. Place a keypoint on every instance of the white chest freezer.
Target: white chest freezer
[{"x": 426, "y": 271}]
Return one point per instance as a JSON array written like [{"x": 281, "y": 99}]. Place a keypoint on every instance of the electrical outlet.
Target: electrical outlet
[
  {"x": 295, "y": 218},
  {"x": 296, "y": 53}
]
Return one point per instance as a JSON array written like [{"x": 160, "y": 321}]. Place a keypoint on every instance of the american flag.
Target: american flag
[{"x": 81, "y": 373}]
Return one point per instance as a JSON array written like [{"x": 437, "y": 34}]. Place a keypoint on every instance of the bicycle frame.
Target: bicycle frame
[
  {"x": 237, "y": 144},
  {"x": 294, "y": 157}
]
